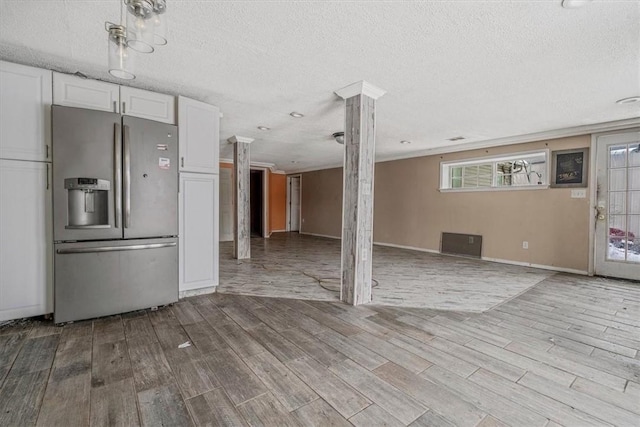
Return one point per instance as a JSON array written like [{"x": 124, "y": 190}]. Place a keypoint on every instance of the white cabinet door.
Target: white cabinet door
[
  {"x": 26, "y": 244},
  {"x": 25, "y": 112},
  {"x": 198, "y": 231},
  {"x": 148, "y": 105},
  {"x": 199, "y": 129},
  {"x": 74, "y": 91}
]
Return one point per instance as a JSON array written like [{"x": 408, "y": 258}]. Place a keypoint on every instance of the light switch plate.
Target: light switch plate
[{"x": 578, "y": 193}]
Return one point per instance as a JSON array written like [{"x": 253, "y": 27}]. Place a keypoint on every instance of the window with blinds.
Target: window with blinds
[{"x": 504, "y": 172}]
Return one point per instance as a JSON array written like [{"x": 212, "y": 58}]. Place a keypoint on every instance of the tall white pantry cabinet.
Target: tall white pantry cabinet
[
  {"x": 26, "y": 238},
  {"x": 199, "y": 139},
  {"x": 26, "y": 257}
]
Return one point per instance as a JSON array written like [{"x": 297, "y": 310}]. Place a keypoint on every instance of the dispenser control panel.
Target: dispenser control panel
[{"x": 86, "y": 184}]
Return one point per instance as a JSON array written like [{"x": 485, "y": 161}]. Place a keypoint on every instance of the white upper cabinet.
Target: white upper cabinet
[
  {"x": 199, "y": 131},
  {"x": 74, "y": 91},
  {"x": 148, "y": 105},
  {"x": 25, "y": 112}
]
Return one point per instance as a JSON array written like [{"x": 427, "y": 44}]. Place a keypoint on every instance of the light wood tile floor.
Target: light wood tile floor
[
  {"x": 290, "y": 265},
  {"x": 563, "y": 353}
]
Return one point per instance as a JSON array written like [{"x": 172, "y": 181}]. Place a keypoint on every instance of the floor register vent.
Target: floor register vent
[{"x": 469, "y": 245}]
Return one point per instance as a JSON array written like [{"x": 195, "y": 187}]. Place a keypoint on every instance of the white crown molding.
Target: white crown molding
[
  {"x": 360, "y": 88},
  {"x": 235, "y": 138},
  {"x": 521, "y": 139},
  {"x": 490, "y": 143}
]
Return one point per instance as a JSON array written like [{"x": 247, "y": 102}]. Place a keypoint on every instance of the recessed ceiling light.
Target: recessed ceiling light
[
  {"x": 574, "y": 4},
  {"x": 263, "y": 128},
  {"x": 456, "y": 138},
  {"x": 296, "y": 114},
  {"x": 294, "y": 161},
  {"x": 404, "y": 141},
  {"x": 339, "y": 137},
  {"x": 630, "y": 100}
]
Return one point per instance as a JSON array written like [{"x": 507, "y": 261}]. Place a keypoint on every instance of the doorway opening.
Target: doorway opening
[
  {"x": 294, "y": 189},
  {"x": 256, "y": 202}
]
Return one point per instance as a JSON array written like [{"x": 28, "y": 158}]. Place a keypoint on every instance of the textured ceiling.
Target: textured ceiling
[{"x": 480, "y": 69}]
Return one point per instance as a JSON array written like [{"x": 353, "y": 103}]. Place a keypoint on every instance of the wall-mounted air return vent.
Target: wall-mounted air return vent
[{"x": 461, "y": 244}]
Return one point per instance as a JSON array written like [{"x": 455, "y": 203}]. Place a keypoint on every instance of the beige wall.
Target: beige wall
[
  {"x": 322, "y": 202},
  {"x": 410, "y": 211}
]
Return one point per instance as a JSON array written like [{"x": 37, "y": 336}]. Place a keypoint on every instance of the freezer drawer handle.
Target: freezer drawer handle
[{"x": 115, "y": 248}]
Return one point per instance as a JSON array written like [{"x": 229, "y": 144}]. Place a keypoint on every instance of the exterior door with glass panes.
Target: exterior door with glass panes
[{"x": 618, "y": 205}]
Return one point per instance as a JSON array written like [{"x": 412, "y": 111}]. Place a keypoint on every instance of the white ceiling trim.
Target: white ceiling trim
[{"x": 518, "y": 139}]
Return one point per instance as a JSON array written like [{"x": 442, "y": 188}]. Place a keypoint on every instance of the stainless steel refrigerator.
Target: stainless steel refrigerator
[{"x": 115, "y": 197}]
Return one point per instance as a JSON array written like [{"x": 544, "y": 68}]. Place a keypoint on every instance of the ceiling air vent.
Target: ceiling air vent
[{"x": 456, "y": 138}]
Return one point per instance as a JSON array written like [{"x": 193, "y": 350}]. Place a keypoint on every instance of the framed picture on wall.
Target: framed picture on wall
[{"x": 569, "y": 168}]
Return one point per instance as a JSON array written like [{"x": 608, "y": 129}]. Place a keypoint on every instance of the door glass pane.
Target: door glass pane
[
  {"x": 634, "y": 178},
  {"x": 618, "y": 156},
  {"x": 617, "y": 179},
  {"x": 633, "y": 238},
  {"x": 617, "y": 225},
  {"x": 617, "y": 240},
  {"x": 616, "y": 250},
  {"x": 634, "y": 202},
  {"x": 634, "y": 154},
  {"x": 617, "y": 203}
]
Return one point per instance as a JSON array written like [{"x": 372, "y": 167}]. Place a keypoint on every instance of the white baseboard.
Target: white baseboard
[
  {"x": 498, "y": 260},
  {"x": 540, "y": 266},
  {"x": 278, "y": 231},
  {"x": 199, "y": 291},
  {"x": 413, "y": 248},
  {"x": 320, "y": 235}
]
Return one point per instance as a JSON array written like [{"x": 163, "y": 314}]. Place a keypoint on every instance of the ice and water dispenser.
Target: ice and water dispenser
[{"x": 88, "y": 202}]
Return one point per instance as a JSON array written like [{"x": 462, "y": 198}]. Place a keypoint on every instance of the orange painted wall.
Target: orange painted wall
[{"x": 277, "y": 202}]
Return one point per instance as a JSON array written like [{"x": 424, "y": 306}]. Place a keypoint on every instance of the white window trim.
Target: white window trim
[{"x": 445, "y": 167}]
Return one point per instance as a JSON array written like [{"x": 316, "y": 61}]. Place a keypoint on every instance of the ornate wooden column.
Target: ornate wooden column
[
  {"x": 242, "y": 183},
  {"x": 357, "y": 202}
]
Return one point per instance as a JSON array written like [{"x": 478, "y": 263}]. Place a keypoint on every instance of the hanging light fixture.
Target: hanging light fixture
[
  {"x": 159, "y": 22},
  {"x": 140, "y": 25},
  {"x": 121, "y": 58},
  {"x": 146, "y": 27}
]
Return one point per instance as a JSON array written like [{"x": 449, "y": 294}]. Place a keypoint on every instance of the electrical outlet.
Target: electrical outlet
[{"x": 525, "y": 245}]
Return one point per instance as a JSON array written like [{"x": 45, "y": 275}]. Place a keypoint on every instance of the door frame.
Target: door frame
[
  {"x": 593, "y": 184},
  {"x": 265, "y": 199},
  {"x": 288, "y": 224}
]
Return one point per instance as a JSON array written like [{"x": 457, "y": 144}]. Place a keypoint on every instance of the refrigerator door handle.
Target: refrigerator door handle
[
  {"x": 115, "y": 248},
  {"x": 127, "y": 179},
  {"x": 117, "y": 179}
]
